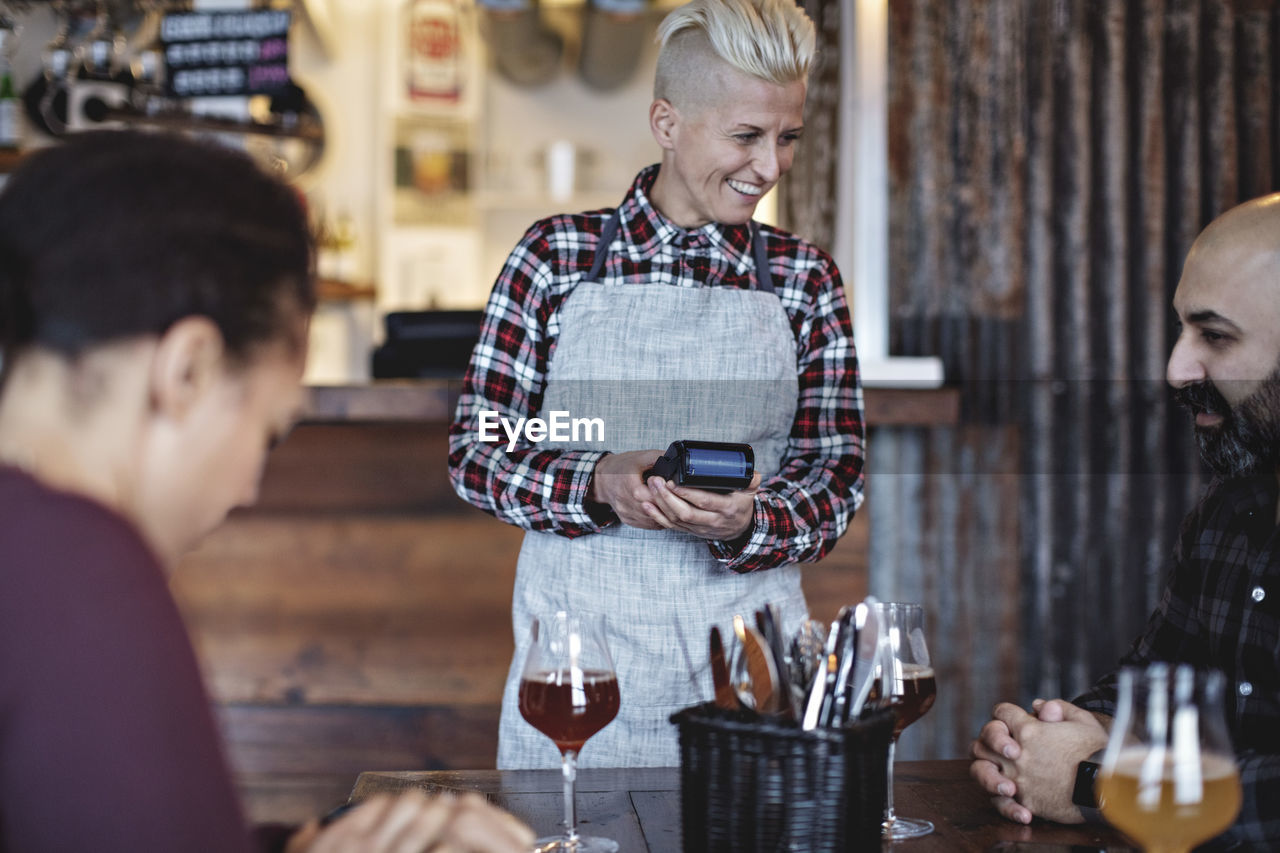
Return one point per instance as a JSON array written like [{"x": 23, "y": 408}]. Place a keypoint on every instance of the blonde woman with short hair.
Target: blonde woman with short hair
[{"x": 673, "y": 316}]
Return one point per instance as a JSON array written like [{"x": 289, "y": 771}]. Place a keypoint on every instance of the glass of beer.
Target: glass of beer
[
  {"x": 568, "y": 691},
  {"x": 906, "y": 685},
  {"x": 1169, "y": 778}
]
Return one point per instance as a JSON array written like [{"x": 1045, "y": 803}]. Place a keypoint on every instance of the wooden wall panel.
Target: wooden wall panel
[
  {"x": 365, "y": 610},
  {"x": 382, "y": 610},
  {"x": 1050, "y": 164},
  {"x": 358, "y": 619},
  {"x": 942, "y": 506},
  {"x": 807, "y": 199}
]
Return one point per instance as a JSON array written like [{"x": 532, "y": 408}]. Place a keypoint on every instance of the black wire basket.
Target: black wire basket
[{"x": 753, "y": 785}]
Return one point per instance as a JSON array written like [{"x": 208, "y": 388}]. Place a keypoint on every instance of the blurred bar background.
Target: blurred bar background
[{"x": 1048, "y": 165}]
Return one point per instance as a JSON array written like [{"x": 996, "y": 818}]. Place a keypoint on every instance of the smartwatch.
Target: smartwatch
[{"x": 1084, "y": 793}]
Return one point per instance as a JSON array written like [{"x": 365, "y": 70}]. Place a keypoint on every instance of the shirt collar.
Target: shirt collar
[
  {"x": 1253, "y": 495},
  {"x": 647, "y": 229}
]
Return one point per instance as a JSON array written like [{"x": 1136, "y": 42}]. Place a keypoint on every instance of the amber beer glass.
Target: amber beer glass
[
  {"x": 568, "y": 691},
  {"x": 908, "y": 686},
  {"x": 1169, "y": 778}
]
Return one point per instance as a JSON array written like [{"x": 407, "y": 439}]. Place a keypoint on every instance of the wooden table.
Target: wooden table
[{"x": 640, "y": 807}]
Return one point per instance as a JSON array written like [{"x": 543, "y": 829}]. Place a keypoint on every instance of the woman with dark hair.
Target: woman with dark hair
[{"x": 154, "y": 301}]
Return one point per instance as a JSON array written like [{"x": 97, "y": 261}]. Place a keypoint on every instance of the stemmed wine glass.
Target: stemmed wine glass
[
  {"x": 569, "y": 691},
  {"x": 907, "y": 685},
  {"x": 1169, "y": 779}
]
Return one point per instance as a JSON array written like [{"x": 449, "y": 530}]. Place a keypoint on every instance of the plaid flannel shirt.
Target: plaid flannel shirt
[
  {"x": 799, "y": 513},
  {"x": 1221, "y": 609}
]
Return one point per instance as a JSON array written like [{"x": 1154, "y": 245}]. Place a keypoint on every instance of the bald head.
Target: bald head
[
  {"x": 1225, "y": 363},
  {"x": 1228, "y": 299},
  {"x": 1238, "y": 251},
  {"x": 1251, "y": 228}
]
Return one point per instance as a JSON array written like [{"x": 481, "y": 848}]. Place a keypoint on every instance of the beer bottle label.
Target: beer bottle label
[{"x": 435, "y": 51}]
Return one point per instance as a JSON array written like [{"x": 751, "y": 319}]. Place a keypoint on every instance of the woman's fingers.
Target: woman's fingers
[
  {"x": 407, "y": 820},
  {"x": 478, "y": 825},
  {"x": 416, "y": 823},
  {"x": 351, "y": 830},
  {"x": 703, "y": 513},
  {"x": 301, "y": 841}
]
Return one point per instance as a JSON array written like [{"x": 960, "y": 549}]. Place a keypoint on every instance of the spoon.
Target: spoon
[{"x": 763, "y": 672}]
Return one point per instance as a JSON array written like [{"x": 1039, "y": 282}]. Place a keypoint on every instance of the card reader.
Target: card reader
[{"x": 718, "y": 466}]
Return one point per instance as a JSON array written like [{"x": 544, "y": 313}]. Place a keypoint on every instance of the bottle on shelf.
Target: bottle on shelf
[
  {"x": 10, "y": 106},
  {"x": 436, "y": 71},
  {"x": 344, "y": 247},
  {"x": 335, "y": 247}
]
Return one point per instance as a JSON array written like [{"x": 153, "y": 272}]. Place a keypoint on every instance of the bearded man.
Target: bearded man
[{"x": 1221, "y": 606}]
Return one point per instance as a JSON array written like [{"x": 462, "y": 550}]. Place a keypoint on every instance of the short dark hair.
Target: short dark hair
[{"x": 119, "y": 234}]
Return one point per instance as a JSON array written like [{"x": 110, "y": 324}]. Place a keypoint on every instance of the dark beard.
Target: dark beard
[{"x": 1247, "y": 441}]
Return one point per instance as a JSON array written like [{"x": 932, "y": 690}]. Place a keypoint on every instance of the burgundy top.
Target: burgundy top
[{"x": 107, "y": 741}]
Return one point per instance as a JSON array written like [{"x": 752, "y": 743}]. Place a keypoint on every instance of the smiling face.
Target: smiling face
[
  {"x": 722, "y": 152},
  {"x": 1225, "y": 364}
]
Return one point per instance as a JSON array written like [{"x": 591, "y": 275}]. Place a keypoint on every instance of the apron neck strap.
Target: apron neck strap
[
  {"x": 764, "y": 280},
  {"x": 607, "y": 234}
]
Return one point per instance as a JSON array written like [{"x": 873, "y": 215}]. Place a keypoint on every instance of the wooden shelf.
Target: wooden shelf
[
  {"x": 9, "y": 159},
  {"x": 335, "y": 290},
  {"x": 911, "y": 406},
  {"x": 428, "y": 400},
  {"x": 433, "y": 400}
]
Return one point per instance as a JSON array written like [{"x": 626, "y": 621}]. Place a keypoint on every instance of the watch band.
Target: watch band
[{"x": 1084, "y": 794}]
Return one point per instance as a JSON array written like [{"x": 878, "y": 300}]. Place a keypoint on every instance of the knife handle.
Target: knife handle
[
  {"x": 725, "y": 697},
  {"x": 819, "y": 696},
  {"x": 770, "y": 619}
]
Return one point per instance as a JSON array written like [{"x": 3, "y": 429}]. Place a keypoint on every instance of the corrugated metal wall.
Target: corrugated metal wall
[{"x": 1051, "y": 163}]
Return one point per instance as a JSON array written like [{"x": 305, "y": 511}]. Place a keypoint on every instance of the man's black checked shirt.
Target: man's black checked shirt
[{"x": 1221, "y": 609}]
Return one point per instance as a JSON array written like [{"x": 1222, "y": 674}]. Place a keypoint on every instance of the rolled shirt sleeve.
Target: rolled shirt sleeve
[{"x": 799, "y": 513}]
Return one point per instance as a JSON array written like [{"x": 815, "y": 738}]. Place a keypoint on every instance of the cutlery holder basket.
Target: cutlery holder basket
[{"x": 749, "y": 785}]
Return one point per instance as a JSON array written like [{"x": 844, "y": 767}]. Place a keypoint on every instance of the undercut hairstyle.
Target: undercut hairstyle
[
  {"x": 114, "y": 235},
  {"x": 772, "y": 40}
]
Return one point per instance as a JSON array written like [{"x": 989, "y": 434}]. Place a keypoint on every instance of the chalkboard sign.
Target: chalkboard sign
[{"x": 226, "y": 53}]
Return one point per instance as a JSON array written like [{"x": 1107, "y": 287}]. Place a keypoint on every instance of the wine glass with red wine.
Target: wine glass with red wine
[
  {"x": 569, "y": 691},
  {"x": 908, "y": 686}
]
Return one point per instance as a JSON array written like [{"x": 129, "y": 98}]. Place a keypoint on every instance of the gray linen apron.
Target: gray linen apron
[{"x": 656, "y": 363}]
